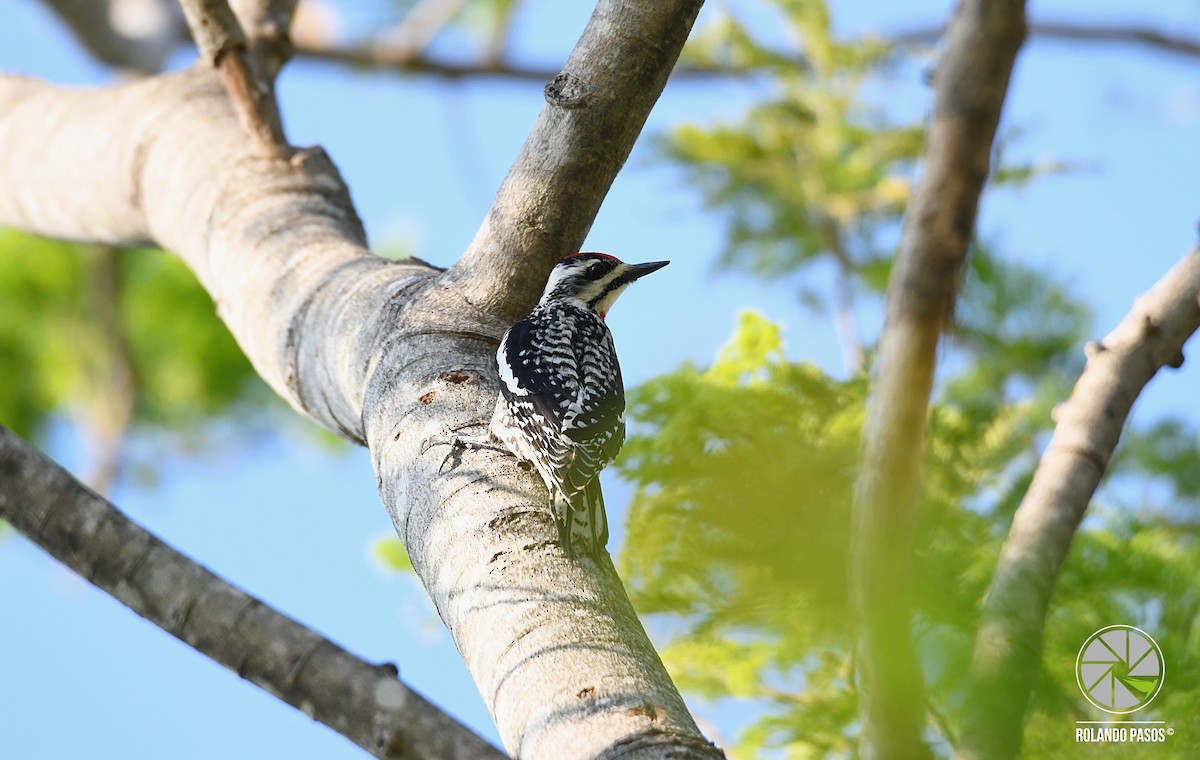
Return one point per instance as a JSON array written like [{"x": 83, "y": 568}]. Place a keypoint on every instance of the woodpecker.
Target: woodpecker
[{"x": 562, "y": 403}]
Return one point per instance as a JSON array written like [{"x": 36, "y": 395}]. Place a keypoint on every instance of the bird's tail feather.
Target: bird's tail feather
[{"x": 583, "y": 519}]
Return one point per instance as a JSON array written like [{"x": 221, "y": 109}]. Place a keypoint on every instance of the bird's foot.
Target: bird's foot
[{"x": 459, "y": 443}]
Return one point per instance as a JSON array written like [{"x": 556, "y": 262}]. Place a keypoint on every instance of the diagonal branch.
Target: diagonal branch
[
  {"x": 595, "y": 109},
  {"x": 971, "y": 81},
  {"x": 1009, "y": 644},
  {"x": 422, "y": 24},
  {"x": 365, "y": 703},
  {"x": 112, "y": 391},
  {"x": 223, "y": 45},
  {"x": 90, "y": 22}
]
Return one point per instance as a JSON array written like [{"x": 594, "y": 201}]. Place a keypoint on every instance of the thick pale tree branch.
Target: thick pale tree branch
[
  {"x": 215, "y": 30},
  {"x": 264, "y": 19},
  {"x": 392, "y": 353},
  {"x": 595, "y": 109},
  {"x": 423, "y": 23},
  {"x": 365, "y": 703},
  {"x": 111, "y": 394},
  {"x": 971, "y": 81},
  {"x": 1009, "y": 643},
  {"x": 388, "y": 57}
]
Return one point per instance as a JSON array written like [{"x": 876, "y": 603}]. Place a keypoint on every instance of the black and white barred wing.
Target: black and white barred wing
[{"x": 569, "y": 400}]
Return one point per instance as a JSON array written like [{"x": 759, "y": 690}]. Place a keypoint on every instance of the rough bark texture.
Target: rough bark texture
[
  {"x": 600, "y": 100},
  {"x": 971, "y": 81},
  {"x": 214, "y": 27},
  {"x": 391, "y": 353},
  {"x": 218, "y": 34},
  {"x": 365, "y": 703},
  {"x": 1009, "y": 644}
]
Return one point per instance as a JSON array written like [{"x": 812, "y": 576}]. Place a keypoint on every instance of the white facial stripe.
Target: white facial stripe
[
  {"x": 591, "y": 290},
  {"x": 604, "y": 304},
  {"x": 572, "y": 282}
]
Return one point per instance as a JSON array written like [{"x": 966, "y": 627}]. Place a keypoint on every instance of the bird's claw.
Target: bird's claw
[
  {"x": 438, "y": 440},
  {"x": 458, "y": 443}
]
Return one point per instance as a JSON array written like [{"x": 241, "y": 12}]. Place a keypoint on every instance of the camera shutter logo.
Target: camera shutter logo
[{"x": 1120, "y": 669}]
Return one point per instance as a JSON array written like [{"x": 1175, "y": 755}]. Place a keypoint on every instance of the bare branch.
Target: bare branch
[
  {"x": 264, "y": 18},
  {"x": 222, "y": 43},
  {"x": 971, "y": 81},
  {"x": 365, "y": 703},
  {"x": 595, "y": 109},
  {"x": 1081, "y": 31},
  {"x": 1009, "y": 644},
  {"x": 422, "y": 24},
  {"x": 111, "y": 392}
]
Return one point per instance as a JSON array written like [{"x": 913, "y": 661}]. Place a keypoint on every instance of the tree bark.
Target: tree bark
[
  {"x": 1008, "y": 647},
  {"x": 365, "y": 703},
  {"x": 391, "y": 353},
  {"x": 971, "y": 81}
]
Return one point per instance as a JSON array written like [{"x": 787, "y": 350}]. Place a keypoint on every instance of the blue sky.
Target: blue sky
[{"x": 292, "y": 523}]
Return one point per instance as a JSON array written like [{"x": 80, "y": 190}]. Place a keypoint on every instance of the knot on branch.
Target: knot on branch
[{"x": 567, "y": 91}]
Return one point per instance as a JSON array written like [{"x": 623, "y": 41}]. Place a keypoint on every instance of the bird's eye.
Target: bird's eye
[{"x": 593, "y": 268}]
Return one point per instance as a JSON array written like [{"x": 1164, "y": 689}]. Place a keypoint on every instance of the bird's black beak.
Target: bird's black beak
[{"x": 637, "y": 271}]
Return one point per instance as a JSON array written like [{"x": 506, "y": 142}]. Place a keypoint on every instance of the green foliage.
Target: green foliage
[
  {"x": 739, "y": 532},
  {"x": 55, "y": 347},
  {"x": 29, "y": 349},
  {"x": 739, "y": 529},
  {"x": 390, "y": 552},
  {"x": 740, "y": 526},
  {"x": 187, "y": 364},
  {"x": 810, "y": 173}
]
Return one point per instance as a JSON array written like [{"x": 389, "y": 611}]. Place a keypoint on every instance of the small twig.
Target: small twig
[
  {"x": 265, "y": 24},
  {"x": 1128, "y": 34},
  {"x": 112, "y": 390},
  {"x": 854, "y": 356},
  {"x": 970, "y": 86},
  {"x": 1009, "y": 643},
  {"x": 222, "y": 43},
  {"x": 264, "y": 18},
  {"x": 423, "y": 23},
  {"x": 496, "y": 44},
  {"x": 214, "y": 28}
]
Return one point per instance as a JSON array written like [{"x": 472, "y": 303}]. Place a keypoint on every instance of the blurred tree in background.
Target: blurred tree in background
[
  {"x": 121, "y": 341},
  {"x": 739, "y": 533}
]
